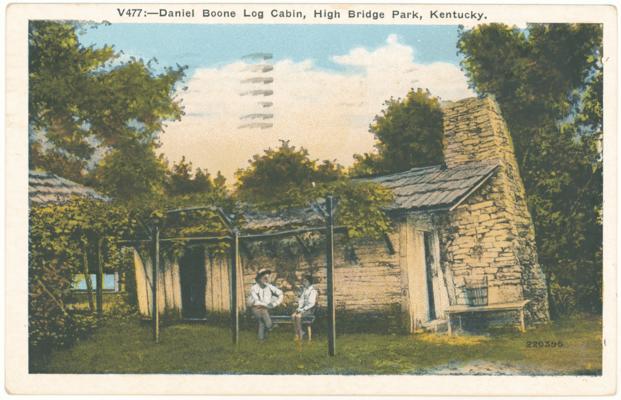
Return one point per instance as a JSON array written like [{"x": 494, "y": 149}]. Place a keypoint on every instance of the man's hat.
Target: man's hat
[{"x": 261, "y": 272}]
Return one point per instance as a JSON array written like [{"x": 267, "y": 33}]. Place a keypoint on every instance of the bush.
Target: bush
[
  {"x": 63, "y": 239},
  {"x": 51, "y": 327},
  {"x": 563, "y": 298}
]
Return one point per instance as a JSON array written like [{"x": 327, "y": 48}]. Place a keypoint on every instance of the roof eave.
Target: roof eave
[
  {"x": 451, "y": 206},
  {"x": 402, "y": 211},
  {"x": 480, "y": 183}
]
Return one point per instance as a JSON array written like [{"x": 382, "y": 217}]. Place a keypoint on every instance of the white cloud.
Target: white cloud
[{"x": 326, "y": 111}]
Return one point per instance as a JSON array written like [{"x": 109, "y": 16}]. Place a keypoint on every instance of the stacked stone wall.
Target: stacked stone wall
[{"x": 491, "y": 234}]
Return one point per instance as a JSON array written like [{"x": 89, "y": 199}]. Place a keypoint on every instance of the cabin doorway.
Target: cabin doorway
[
  {"x": 193, "y": 283},
  {"x": 427, "y": 292},
  {"x": 430, "y": 274}
]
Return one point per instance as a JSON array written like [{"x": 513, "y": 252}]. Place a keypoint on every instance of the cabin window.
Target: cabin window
[{"x": 110, "y": 282}]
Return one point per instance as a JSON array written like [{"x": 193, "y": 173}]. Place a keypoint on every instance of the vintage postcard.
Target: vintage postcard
[{"x": 268, "y": 199}]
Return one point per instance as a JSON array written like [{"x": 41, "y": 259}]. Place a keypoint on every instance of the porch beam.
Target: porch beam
[
  {"x": 259, "y": 236},
  {"x": 183, "y": 238}
]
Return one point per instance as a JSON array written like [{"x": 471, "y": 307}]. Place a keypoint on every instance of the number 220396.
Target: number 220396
[{"x": 544, "y": 344}]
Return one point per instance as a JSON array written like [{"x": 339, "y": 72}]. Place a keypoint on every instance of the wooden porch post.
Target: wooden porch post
[
  {"x": 87, "y": 278},
  {"x": 330, "y": 273},
  {"x": 99, "y": 277},
  {"x": 155, "y": 315},
  {"x": 234, "y": 266}
]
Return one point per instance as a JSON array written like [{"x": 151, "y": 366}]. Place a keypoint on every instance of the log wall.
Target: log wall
[
  {"x": 372, "y": 283},
  {"x": 169, "y": 286}
]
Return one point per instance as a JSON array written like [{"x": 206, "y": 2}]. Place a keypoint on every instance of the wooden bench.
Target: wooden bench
[
  {"x": 306, "y": 322},
  {"x": 459, "y": 310}
]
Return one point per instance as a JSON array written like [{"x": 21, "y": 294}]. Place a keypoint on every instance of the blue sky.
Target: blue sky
[
  {"x": 198, "y": 45},
  {"x": 327, "y": 84}
]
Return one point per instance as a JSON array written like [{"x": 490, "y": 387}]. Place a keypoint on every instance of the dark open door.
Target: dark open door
[
  {"x": 429, "y": 274},
  {"x": 193, "y": 282}
]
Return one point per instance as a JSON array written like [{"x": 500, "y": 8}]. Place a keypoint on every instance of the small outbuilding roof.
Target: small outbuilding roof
[
  {"x": 436, "y": 187},
  {"x": 45, "y": 187}
]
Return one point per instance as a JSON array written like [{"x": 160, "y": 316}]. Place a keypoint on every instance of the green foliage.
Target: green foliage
[
  {"x": 85, "y": 104},
  {"x": 287, "y": 178},
  {"x": 61, "y": 238},
  {"x": 280, "y": 177},
  {"x": 194, "y": 224},
  {"x": 60, "y": 71},
  {"x": 132, "y": 174},
  {"x": 183, "y": 181},
  {"x": 548, "y": 83},
  {"x": 361, "y": 207},
  {"x": 408, "y": 134},
  {"x": 563, "y": 297},
  {"x": 182, "y": 225}
]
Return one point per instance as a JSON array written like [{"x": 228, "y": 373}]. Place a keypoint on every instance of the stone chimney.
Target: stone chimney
[
  {"x": 475, "y": 131},
  {"x": 493, "y": 234}
]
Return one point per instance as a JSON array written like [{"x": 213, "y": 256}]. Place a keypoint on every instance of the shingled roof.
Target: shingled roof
[
  {"x": 432, "y": 188},
  {"x": 45, "y": 187},
  {"x": 436, "y": 187}
]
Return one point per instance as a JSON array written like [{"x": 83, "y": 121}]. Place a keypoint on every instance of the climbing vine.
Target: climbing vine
[{"x": 63, "y": 241}]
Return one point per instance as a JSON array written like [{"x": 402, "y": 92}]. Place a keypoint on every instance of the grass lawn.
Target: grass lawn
[{"x": 125, "y": 346}]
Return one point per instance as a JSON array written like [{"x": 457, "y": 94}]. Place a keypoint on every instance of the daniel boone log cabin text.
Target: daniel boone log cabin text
[{"x": 284, "y": 13}]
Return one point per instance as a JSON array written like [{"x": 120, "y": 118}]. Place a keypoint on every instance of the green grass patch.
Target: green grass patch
[{"x": 125, "y": 346}]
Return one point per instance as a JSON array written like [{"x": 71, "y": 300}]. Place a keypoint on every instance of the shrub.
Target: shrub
[
  {"x": 563, "y": 298},
  {"x": 63, "y": 237}
]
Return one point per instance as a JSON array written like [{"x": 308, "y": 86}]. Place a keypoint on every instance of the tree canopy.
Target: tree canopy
[
  {"x": 279, "y": 177},
  {"x": 548, "y": 82},
  {"x": 87, "y": 104},
  {"x": 287, "y": 177},
  {"x": 182, "y": 180},
  {"x": 408, "y": 134},
  {"x": 95, "y": 118}
]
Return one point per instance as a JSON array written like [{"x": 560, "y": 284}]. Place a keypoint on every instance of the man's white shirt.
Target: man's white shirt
[{"x": 264, "y": 296}]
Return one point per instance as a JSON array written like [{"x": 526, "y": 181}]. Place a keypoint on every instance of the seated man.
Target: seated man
[
  {"x": 306, "y": 305},
  {"x": 263, "y": 297}
]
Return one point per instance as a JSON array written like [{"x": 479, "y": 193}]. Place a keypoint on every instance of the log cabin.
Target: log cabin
[{"x": 462, "y": 242}]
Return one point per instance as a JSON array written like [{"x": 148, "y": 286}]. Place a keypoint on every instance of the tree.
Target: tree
[
  {"x": 85, "y": 105},
  {"x": 279, "y": 177},
  {"x": 59, "y": 74},
  {"x": 219, "y": 183},
  {"x": 285, "y": 178},
  {"x": 182, "y": 180},
  {"x": 548, "y": 82},
  {"x": 408, "y": 134},
  {"x": 131, "y": 174},
  {"x": 202, "y": 181}
]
